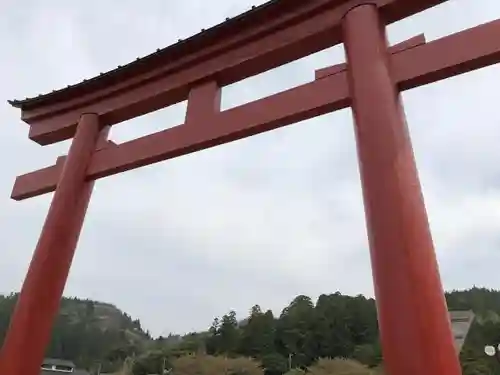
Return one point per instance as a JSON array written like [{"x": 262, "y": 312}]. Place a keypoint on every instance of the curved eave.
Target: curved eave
[{"x": 155, "y": 59}]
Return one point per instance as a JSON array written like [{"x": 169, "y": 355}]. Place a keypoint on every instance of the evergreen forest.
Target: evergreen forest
[{"x": 319, "y": 337}]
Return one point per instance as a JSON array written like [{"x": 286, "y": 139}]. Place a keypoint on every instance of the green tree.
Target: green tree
[
  {"x": 368, "y": 354},
  {"x": 295, "y": 333},
  {"x": 258, "y": 334},
  {"x": 224, "y": 335},
  {"x": 152, "y": 362},
  {"x": 274, "y": 364},
  {"x": 93, "y": 333}
]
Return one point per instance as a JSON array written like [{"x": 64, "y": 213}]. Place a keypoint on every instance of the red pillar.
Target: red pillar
[
  {"x": 413, "y": 317},
  {"x": 38, "y": 304}
]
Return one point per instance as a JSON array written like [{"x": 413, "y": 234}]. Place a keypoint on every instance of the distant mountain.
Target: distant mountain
[{"x": 87, "y": 332}]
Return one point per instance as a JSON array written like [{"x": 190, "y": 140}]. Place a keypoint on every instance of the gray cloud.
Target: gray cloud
[{"x": 256, "y": 221}]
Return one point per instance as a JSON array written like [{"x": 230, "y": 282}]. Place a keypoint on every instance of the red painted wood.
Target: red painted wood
[
  {"x": 179, "y": 56},
  {"x": 397, "y": 48},
  {"x": 311, "y": 28},
  {"x": 276, "y": 111},
  {"x": 415, "y": 328},
  {"x": 204, "y": 103},
  {"x": 265, "y": 19},
  {"x": 450, "y": 56},
  {"x": 38, "y": 304},
  {"x": 232, "y": 65},
  {"x": 414, "y": 324},
  {"x": 442, "y": 58}
]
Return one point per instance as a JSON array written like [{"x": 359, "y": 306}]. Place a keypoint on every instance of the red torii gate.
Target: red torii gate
[{"x": 413, "y": 318}]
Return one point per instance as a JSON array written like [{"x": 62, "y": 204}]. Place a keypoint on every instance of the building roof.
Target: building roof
[
  {"x": 61, "y": 362},
  {"x": 75, "y": 372},
  {"x": 142, "y": 64},
  {"x": 58, "y": 362}
]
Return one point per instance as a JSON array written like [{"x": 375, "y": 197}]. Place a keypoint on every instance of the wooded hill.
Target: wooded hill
[
  {"x": 90, "y": 332},
  {"x": 86, "y": 332}
]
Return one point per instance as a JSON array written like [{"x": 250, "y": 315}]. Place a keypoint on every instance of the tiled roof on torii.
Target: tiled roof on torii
[
  {"x": 143, "y": 64},
  {"x": 256, "y": 15}
]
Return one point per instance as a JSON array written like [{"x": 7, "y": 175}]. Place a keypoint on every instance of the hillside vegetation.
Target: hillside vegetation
[
  {"x": 87, "y": 332},
  {"x": 334, "y": 326}
]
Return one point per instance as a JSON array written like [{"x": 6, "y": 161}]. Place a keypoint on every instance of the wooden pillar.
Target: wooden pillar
[
  {"x": 413, "y": 318},
  {"x": 38, "y": 304}
]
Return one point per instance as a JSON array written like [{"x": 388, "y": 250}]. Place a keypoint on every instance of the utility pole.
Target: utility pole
[
  {"x": 289, "y": 361},
  {"x": 164, "y": 365}
]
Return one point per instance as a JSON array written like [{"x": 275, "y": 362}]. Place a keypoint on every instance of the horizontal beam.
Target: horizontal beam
[
  {"x": 456, "y": 54},
  {"x": 237, "y": 63},
  {"x": 436, "y": 60},
  {"x": 224, "y": 36},
  {"x": 315, "y": 29},
  {"x": 397, "y": 48},
  {"x": 300, "y": 103},
  {"x": 203, "y": 48}
]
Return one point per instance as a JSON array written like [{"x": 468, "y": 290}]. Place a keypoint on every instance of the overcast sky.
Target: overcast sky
[{"x": 256, "y": 221}]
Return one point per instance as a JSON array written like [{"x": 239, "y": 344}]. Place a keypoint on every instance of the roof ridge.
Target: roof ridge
[{"x": 34, "y": 100}]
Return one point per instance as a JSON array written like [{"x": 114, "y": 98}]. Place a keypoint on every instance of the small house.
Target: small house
[{"x": 52, "y": 366}]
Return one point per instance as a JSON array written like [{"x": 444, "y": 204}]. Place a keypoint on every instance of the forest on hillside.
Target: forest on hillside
[{"x": 96, "y": 334}]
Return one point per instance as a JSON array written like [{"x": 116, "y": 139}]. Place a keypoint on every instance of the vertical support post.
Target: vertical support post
[
  {"x": 203, "y": 103},
  {"x": 413, "y": 317},
  {"x": 38, "y": 302}
]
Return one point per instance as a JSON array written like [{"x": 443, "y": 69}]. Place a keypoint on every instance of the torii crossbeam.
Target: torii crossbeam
[{"x": 414, "y": 323}]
